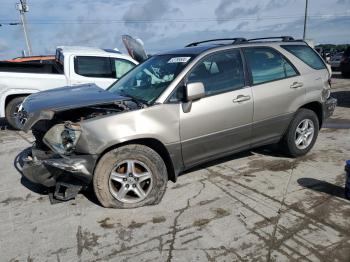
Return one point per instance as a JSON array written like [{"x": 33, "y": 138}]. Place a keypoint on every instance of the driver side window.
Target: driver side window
[{"x": 219, "y": 72}]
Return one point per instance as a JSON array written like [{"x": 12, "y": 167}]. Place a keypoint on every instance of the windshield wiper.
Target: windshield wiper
[{"x": 138, "y": 101}]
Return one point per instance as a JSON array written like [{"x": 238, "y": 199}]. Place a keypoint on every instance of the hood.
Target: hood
[
  {"x": 65, "y": 98},
  {"x": 135, "y": 48},
  {"x": 44, "y": 105}
]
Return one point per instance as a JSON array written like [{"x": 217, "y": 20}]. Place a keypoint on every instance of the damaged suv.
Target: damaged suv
[{"x": 174, "y": 111}]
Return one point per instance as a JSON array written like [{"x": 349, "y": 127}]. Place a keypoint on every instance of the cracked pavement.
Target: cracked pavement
[{"x": 252, "y": 206}]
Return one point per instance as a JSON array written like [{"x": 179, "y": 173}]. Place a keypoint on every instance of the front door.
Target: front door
[{"x": 220, "y": 122}]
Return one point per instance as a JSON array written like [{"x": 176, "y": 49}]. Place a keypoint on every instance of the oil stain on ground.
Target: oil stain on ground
[
  {"x": 219, "y": 213},
  {"x": 157, "y": 220},
  {"x": 85, "y": 240},
  {"x": 134, "y": 225}
]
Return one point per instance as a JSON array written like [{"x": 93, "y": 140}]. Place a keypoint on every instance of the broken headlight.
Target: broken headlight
[{"x": 62, "y": 138}]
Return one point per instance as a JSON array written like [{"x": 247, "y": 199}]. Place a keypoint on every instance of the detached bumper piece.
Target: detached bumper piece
[
  {"x": 64, "y": 192},
  {"x": 66, "y": 176}
]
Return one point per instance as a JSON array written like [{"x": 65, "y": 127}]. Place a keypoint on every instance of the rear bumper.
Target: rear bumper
[
  {"x": 328, "y": 107},
  {"x": 47, "y": 169}
]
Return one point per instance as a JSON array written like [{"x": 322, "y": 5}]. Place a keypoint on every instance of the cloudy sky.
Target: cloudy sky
[{"x": 164, "y": 24}]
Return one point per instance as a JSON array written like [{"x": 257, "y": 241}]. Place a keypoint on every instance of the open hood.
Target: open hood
[{"x": 135, "y": 48}]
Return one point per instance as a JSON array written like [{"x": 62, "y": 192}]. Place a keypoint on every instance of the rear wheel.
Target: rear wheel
[
  {"x": 301, "y": 134},
  {"x": 11, "y": 112},
  {"x": 130, "y": 176}
]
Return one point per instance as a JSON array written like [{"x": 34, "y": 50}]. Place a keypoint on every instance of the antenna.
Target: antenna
[{"x": 23, "y": 8}]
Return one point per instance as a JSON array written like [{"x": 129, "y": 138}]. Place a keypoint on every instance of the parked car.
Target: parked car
[
  {"x": 72, "y": 66},
  {"x": 345, "y": 63},
  {"x": 335, "y": 60},
  {"x": 174, "y": 111}
]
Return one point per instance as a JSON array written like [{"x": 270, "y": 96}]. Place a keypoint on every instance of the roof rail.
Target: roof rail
[
  {"x": 234, "y": 41},
  {"x": 283, "y": 38}
]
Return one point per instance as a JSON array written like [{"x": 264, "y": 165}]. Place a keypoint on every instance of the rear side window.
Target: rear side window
[
  {"x": 220, "y": 72},
  {"x": 90, "y": 66},
  {"x": 267, "y": 65},
  {"x": 307, "y": 55}
]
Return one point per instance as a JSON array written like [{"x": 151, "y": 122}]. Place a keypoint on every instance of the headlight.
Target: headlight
[{"x": 62, "y": 138}]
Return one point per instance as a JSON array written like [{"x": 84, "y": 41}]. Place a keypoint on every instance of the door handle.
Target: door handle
[
  {"x": 296, "y": 85},
  {"x": 241, "y": 98}
]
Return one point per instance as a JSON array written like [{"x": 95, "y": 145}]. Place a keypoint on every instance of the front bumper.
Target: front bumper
[
  {"x": 328, "y": 107},
  {"x": 48, "y": 169}
]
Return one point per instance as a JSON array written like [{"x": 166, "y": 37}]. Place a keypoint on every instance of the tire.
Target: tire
[
  {"x": 107, "y": 190},
  {"x": 290, "y": 139},
  {"x": 11, "y": 110}
]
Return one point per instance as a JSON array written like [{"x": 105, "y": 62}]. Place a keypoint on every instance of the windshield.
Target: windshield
[{"x": 147, "y": 81}]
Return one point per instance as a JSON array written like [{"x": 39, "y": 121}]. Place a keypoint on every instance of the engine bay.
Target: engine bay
[{"x": 77, "y": 115}]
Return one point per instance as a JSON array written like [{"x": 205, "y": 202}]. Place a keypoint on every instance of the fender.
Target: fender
[{"x": 5, "y": 92}]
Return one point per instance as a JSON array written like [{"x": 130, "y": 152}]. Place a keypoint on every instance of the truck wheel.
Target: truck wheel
[
  {"x": 130, "y": 176},
  {"x": 11, "y": 112},
  {"x": 301, "y": 134}
]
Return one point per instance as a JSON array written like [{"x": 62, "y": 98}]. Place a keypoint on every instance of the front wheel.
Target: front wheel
[
  {"x": 301, "y": 134},
  {"x": 11, "y": 113},
  {"x": 130, "y": 176}
]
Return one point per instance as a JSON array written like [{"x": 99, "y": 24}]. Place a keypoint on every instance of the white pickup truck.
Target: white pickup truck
[{"x": 71, "y": 66}]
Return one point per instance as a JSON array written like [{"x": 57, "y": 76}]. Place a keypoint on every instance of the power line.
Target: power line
[{"x": 185, "y": 20}]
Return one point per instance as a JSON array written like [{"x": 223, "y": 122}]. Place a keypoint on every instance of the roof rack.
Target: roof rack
[
  {"x": 283, "y": 38},
  {"x": 234, "y": 41}
]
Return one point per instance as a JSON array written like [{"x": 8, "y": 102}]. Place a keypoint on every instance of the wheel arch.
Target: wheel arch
[
  {"x": 154, "y": 144},
  {"x": 12, "y": 96},
  {"x": 317, "y": 108}
]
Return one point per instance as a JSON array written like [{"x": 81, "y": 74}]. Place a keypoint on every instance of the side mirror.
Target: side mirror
[{"x": 194, "y": 91}]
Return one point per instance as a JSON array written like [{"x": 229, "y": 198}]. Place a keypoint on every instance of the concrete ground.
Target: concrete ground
[{"x": 254, "y": 206}]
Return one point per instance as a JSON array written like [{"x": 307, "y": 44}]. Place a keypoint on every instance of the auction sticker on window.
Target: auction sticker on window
[{"x": 180, "y": 59}]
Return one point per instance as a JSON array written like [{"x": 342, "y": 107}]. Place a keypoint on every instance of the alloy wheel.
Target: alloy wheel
[
  {"x": 304, "y": 134},
  {"x": 130, "y": 181}
]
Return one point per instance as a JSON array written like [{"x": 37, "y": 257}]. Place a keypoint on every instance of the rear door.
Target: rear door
[
  {"x": 278, "y": 91},
  {"x": 220, "y": 122}
]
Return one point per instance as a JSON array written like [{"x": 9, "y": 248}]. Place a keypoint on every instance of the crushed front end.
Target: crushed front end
[
  {"x": 53, "y": 163},
  {"x": 55, "y": 160}
]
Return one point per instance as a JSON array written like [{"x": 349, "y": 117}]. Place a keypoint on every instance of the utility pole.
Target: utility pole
[
  {"x": 23, "y": 8},
  {"x": 305, "y": 19}
]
